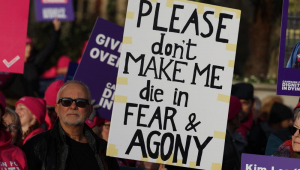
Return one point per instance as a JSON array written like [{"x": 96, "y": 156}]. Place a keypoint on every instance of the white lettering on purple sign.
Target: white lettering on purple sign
[
  {"x": 108, "y": 95},
  {"x": 104, "y": 56},
  {"x": 291, "y": 85},
  {"x": 51, "y": 13},
  {"x": 54, "y": 1}
]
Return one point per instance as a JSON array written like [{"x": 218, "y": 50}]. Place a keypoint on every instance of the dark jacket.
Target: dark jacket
[{"x": 49, "y": 150}]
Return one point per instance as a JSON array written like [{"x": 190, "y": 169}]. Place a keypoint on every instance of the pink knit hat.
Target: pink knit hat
[
  {"x": 51, "y": 92},
  {"x": 29, "y": 40},
  {"x": 2, "y": 102},
  {"x": 63, "y": 61},
  {"x": 50, "y": 73},
  {"x": 37, "y": 107},
  {"x": 235, "y": 107}
]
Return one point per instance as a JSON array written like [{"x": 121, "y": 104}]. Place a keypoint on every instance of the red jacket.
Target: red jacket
[{"x": 11, "y": 156}]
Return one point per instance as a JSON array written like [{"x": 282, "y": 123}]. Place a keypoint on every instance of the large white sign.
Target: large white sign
[{"x": 174, "y": 83}]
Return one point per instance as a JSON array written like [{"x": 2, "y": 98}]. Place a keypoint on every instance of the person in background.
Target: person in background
[
  {"x": 280, "y": 117},
  {"x": 234, "y": 141},
  {"x": 27, "y": 84},
  {"x": 70, "y": 144},
  {"x": 50, "y": 98},
  {"x": 32, "y": 113},
  {"x": 279, "y": 136},
  {"x": 11, "y": 157},
  {"x": 267, "y": 104},
  {"x": 12, "y": 123},
  {"x": 245, "y": 92},
  {"x": 291, "y": 147},
  {"x": 256, "y": 110},
  {"x": 62, "y": 66}
]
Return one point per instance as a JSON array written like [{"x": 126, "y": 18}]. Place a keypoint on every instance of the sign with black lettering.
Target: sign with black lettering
[
  {"x": 98, "y": 67},
  {"x": 174, "y": 82}
]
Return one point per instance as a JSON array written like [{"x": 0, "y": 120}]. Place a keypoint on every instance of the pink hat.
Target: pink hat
[
  {"x": 50, "y": 73},
  {"x": 37, "y": 107},
  {"x": 235, "y": 107},
  {"x": 97, "y": 121},
  {"x": 63, "y": 61},
  {"x": 29, "y": 40},
  {"x": 2, "y": 102},
  {"x": 51, "y": 92}
]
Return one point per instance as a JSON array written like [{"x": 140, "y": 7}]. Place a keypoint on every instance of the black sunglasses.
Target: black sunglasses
[
  {"x": 67, "y": 102},
  {"x": 293, "y": 130}
]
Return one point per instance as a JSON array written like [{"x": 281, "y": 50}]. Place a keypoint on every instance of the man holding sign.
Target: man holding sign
[{"x": 174, "y": 82}]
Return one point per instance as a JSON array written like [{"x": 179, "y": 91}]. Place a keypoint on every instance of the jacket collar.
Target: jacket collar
[{"x": 94, "y": 141}]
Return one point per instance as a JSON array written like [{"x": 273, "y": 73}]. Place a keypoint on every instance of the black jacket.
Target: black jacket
[{"x": 49, "y": 150}]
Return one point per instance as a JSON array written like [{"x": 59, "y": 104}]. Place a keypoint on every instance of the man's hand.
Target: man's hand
[
  {"x": 56, "y": 24},
  {"x": 97, "y": 106}
]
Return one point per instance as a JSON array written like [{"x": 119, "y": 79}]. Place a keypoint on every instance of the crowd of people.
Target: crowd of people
[{"x": 57, "y": 131}]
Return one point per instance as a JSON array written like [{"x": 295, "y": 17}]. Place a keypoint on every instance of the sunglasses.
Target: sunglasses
[
  {"x": 293, "y": 130},
  {"x": 67, "y": 102},
  {"x": 13, "y": 127}
]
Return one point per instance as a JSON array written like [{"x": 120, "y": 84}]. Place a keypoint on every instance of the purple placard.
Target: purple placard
[
  {"x": 47, "y": 10},
  {"x": 288, "y": 82},
  {"x": 262, "y": 162},
  {"x": 99, "y": 65}
]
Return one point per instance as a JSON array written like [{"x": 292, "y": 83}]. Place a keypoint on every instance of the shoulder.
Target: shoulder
[
  {"x": 37, "y": 141},
  {"x": 284, "y": 149}
]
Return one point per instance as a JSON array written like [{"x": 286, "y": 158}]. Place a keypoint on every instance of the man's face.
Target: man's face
[
  {"x": 73, "y": 115},
  {"x": 246, "y": 108}
]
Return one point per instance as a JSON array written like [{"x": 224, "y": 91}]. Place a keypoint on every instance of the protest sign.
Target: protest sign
[
  {"x": 48, "y": 10},
  {"x": 174, "y": 83},
  {"x": 262, "y": 162},
  {"x": 14, "y": 18},
  {"x": 99, "y": 65},
  {"x": 288, "y": 82}
]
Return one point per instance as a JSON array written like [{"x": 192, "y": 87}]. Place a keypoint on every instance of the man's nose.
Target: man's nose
[{"x": 73, "y": 105}]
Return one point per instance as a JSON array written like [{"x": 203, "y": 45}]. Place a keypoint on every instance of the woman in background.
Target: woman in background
[
  {"x": 11, "y": 157},
  {"x": 12, "y": 123},
  {"x": 32, "y": 113}
]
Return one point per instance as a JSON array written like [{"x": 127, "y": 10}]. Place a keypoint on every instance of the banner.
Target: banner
[
  {"x": 98, "y": 68},
  {"x": 14, "y": 19},
  {"x": 48, "y": 10},
  {"x": 174, "y": 83},
  {"x": 288, "y": 82},
  {"x": 261, "y": 162}
]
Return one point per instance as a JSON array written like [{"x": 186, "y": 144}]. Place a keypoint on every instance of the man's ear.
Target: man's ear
[{"x": 56, "y": 108}]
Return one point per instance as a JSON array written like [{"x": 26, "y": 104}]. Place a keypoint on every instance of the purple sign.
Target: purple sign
[
  {"x": 288, "y": 82},
  {"x": 261, "y": 162},
  {"x": 47, "y": 10},
  {"x": 99, "y": 65}
]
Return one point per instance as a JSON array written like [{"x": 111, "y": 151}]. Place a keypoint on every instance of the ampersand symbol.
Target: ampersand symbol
[{"x": 191, "y": 125}]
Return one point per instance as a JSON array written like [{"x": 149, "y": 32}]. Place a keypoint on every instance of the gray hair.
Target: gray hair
[
  {"x": 297, "y": 113},
  {"x": 75, "y": 82},
  {"x": 13, "y": 114}
]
